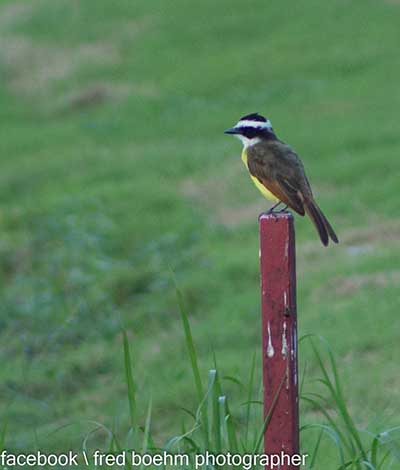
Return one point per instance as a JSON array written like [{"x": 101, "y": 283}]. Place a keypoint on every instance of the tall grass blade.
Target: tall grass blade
[
  {"x": 330, "y": 420},
  {"x": 337, "y": 395},
  {"x": 314, "y": 453},
  {"x": 390, "y": 442},
  {"x": 374, "y": 450},
  {"x": 233, "y": 380},
  {"x": 342, "y": 402},
  {"x": 384, "y": 458},
  {"x": 114, "y": 445},
  {"x": 174, "y": 441},
  {"x": 335, "y": 438},
  {"x": 368, "y": 465},
  {"x": 249, "y": 398},
  {"x": 199, "y": 424},
  {"x": 193, "y": 361},
  {"x": 146, "y": 436},
  {"x": 227, "y": 426},
  {"x": 190, "y": 343},
  {"x": 216, "y": 421},
  {"x": 303, "y": 377},
  {"x": 231, "y": 429},
  {"x": 129, "y": 380}
]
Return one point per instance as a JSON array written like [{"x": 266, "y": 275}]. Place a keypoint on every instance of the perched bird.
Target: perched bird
[{"x": 278, "y": 172}]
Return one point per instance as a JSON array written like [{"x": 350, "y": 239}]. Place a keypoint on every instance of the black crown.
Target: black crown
[{"x": 254, "y": 117}]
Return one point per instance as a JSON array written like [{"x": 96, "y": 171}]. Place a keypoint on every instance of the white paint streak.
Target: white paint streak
[
  {"x": 294, "y": 345},
  {"x": 270, "y": 348},
  {"x": 294, "y": 355},
  {"x": 285, "y": 348},
  {"x": 287, "y": 375},
  {"x": 287, "y": 247},
  {"x": 285, "y": 304}
]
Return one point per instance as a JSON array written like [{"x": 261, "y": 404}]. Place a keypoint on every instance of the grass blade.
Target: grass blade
[
  {"x": 337, "y": 395},
  {"x": 374, "y": 450},
  {"x": 193, "y": 361},
  {"x": 190, "y": 344},
  {"x": 145, "y": 445},
  {"x": 231, "y": 429},
  {"x": 249, "y": 398},
  {"x": 316, "y": 448},
  {"x": 129, "y": 380},
  {"x": 334, "y": 436},
  {"x": 216, "y": 421},
  {"x": 330, "y": 421},
  {"x": 342, "y": 403},
  {"x": 228, "y": 426}
]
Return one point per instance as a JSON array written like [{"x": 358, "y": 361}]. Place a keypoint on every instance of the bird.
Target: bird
[{"x": 278, "y": 172}]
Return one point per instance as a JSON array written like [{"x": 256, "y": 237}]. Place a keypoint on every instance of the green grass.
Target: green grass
[
  {"x": 115, "y": 168},
  {"x": 215, "y": 430}
]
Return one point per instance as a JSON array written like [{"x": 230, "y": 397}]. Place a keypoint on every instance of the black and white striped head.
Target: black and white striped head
[{"x": 252, "y": 128}]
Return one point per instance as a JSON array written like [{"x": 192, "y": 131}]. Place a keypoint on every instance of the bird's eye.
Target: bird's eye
[{"x": 250, "y": 132}]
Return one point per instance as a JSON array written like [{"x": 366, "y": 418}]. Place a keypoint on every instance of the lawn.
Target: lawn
[{"x": 115, "y": 170}]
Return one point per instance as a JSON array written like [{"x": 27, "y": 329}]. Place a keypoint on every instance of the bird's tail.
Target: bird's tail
[{"x": 321, "y": 223}]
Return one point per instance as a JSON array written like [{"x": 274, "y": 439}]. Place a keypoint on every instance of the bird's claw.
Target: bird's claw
[{"x": 280, "y": 211}]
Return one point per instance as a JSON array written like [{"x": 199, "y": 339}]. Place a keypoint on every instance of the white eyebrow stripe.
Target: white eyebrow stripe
[{"x": 254, "y": 124}]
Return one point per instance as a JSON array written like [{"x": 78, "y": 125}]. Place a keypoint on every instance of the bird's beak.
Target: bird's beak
[{"x": 231, "y": 131}]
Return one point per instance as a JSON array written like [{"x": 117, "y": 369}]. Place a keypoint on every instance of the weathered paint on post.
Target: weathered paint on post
[{"x": 279, "y": 333}]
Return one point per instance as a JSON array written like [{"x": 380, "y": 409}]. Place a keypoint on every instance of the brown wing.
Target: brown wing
[{"x": 279, "y": 169}]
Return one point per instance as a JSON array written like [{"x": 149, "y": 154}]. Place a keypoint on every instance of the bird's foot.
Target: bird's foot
[{"x": 273, "y": 210}]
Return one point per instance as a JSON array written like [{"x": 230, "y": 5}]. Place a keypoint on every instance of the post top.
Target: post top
[{"x": 275, "y": 216}]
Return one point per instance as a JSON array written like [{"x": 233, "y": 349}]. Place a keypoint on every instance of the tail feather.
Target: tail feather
[
  {"x": 320, "y": 222},
  {"x": 315, "y": 216},
  {"x": 329, "y": 228}
]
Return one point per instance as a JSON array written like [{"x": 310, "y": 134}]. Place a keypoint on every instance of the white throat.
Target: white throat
[{"x": 248, "y": 142}]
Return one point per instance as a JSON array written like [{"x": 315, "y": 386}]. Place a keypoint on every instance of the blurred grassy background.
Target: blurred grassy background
[{"x": 114, "y": 166}]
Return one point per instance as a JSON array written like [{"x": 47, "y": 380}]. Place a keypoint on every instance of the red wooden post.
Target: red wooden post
[{"x": 279, "y": 331}]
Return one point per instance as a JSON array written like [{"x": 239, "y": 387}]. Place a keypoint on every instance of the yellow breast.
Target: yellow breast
[{"x": 264, "y": 191}]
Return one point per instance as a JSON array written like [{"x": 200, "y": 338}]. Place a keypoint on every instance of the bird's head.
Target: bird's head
[{"x": 251, "y": 129}]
